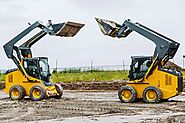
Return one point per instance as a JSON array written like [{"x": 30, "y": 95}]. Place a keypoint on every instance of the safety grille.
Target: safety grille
[
  {"x": 10, "y": 78},
  {"x": 168, "y": 80}
]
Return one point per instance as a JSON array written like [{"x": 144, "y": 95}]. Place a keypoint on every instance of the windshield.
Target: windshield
[
  {"x": 31, "y": 67},
  {"x": 44, "y": 68},
  {"x": 139, "y": 68},
  {"x": 37, "y": 68}
]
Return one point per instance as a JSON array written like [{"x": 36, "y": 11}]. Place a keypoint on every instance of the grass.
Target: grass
[
  {"x": 85, "y": 76},
  {"x": 90, "y": 76}
]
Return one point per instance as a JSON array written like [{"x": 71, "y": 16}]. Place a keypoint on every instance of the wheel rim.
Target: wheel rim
[
  {"x": 151, "y": 95},
  {"x": 36, "y": 93},
  {"x": 15, "y": 93},
  {"x": 126, "y": 94}
]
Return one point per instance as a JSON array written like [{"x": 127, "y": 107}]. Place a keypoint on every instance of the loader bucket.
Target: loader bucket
[
  {"x": 112, "y": 29},
  {"x": 68, "y": 29}
]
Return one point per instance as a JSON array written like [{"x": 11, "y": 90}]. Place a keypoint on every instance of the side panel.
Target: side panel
[
  {"x": 16, "y": 78},
  {"x": 139, "y": 87},
  {"x": 170, "y": 85}
]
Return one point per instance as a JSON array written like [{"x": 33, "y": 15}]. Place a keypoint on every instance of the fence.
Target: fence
[
  {"x": 87, "y": 68},
  {"x": 93, "y": 68}
]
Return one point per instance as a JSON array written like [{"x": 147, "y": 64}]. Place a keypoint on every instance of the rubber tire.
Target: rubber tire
[
  {"x": 132, "y": 90},
  {"x": 157, "y": 91},
  {"x": 42, "y": 90},
  {"x": 21, "y": 91},
  {"x": 59, "y": 91}
]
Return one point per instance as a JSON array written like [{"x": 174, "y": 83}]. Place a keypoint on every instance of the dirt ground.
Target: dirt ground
[{"x": 90, "y": 106}]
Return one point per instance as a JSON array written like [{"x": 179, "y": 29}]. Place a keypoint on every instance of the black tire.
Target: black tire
[
  {"x": 17, "y": 92},
  {"x": 59, "y": 91},
  {"x": 155, "y": 96},
  {"x": 132, "y": 94},
  {"x": 37, "y": 89}
]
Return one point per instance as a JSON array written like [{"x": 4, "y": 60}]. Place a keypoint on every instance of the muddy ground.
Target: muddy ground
[{"x": 90, "y": 106}]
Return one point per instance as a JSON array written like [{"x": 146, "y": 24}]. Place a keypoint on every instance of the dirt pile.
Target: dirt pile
[
  {"x": 114, "y": 85},
  {"x": 2, "y": 85},
  {"x": 173, "y": 66}
]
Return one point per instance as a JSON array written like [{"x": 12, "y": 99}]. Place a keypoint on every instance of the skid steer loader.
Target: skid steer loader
[
  {"x": 32, "y": 76},
  {"x": 149, "y": 79}
]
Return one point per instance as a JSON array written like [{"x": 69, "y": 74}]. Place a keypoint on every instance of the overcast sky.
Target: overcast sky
[{"x": 164, "y": 16}]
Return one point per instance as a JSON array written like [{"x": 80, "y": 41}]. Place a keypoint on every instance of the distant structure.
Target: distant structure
[{"x": 183, "y": 62}]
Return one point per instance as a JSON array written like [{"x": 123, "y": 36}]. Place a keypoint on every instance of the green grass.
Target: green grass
[
  {"x": 90, "y": 76},
  {"x": 86, "y": 76}
]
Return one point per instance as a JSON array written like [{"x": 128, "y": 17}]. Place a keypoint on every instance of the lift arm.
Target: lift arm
[
  {"x": 165, "y": 48},
  {"x": 68, "y": 29}
]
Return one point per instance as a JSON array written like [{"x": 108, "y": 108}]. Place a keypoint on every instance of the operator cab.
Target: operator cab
[
  {"x": 139, "y": 66},
  {"x": 38, "y": 68}
]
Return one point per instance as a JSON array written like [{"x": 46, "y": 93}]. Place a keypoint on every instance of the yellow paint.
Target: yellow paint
[
  {"x": 36, "y": 93},
  {"x": 15, "y": 93},
  {"x": 126, "y": 94},
  {"x": 166, "y": 82},
  {"x": 151, "y": 95},
  {"x": 17, "y": 78}
]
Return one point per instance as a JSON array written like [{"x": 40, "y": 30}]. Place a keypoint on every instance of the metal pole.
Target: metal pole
[
  {"x": 56, "y": 65},
  {"x": 91, "y": 65},
  {"x": 123, "y": 65},
  {"x": 183, "y": 61}
]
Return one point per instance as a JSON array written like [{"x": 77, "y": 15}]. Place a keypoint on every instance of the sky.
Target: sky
[{"x": 164, "y": 16}]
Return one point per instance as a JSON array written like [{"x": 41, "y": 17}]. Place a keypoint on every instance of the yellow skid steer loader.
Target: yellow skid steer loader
[
  {"x": 32, "y": 75},
  {"x": 149, "y": 79}
]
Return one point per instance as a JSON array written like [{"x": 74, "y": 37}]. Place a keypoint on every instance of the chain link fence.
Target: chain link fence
[
  {"x": 92, "y": 68},
  {"x": 85, "y": 68}
]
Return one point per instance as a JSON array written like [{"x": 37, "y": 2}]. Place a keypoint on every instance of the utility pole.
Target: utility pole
[
  {"x": 123, "y": 65},
  {"x": 56, "y": 65},
  {"x": 183, "y": 62},
  {"x": 91, "y": 65}
]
